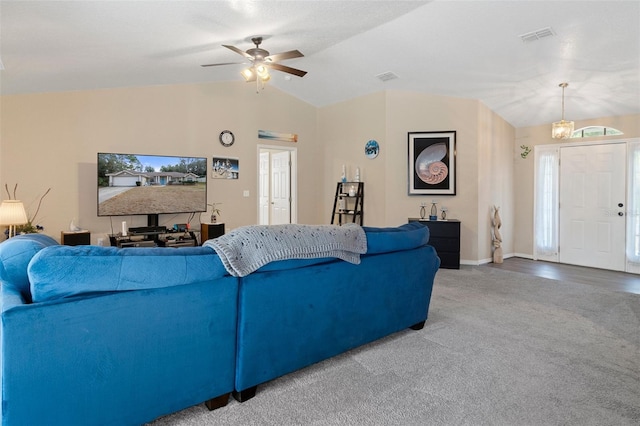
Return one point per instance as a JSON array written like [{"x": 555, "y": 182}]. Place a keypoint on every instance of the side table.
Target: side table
[
  {"x": 209, "y": 231},
  {"x": 79, "y": 238}
]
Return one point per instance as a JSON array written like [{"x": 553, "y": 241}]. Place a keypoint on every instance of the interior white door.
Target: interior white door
[
  {"x": 263, "y": 188},
  {"x": 280, "y": 188},
  {"x": 592, "y": 193}
]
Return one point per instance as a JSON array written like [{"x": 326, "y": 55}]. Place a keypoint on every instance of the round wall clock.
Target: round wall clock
[
  {"x": 371, "y": 149},
  {"x": 227, "y": 138}
]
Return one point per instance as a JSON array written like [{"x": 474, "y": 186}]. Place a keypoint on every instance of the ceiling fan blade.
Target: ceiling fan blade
[
  {"x": 222, "y": 63},
  {"x": 285, "y": 68},
  {"x": 238, "y": 51},
  {"x": 284, "y": 55}
]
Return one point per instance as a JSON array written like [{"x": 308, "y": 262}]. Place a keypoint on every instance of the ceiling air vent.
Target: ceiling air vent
[
  {"x": 386, "y": 76},
  {"x": 537, "y": 35}
]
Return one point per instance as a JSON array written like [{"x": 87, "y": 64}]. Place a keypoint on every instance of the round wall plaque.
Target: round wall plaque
[{"x": 371, "y": 149}]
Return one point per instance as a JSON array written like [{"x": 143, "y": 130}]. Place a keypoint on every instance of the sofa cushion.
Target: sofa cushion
[
  {"x": 404, "y": 237},
  {"x": 64, "y": 271},
  {"x": 15, "y": 255},
  {"x": 280, "y": 265}
]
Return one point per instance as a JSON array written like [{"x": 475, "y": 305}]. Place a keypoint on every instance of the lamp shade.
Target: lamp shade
[
  {"x": 562, "y": 129},
  {"x": 12, "y": 213},
  {"x": 248, "y": 74}
]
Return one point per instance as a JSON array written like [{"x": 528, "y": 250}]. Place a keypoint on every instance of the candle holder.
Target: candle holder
[{"x": 434, "y": 211}]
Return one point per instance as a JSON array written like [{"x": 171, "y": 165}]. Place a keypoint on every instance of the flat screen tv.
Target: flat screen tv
[{"x": 133, "y": 184}]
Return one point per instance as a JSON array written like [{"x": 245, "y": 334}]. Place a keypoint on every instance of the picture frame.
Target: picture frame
[
  {"x": 432, "y": 163},
  {"x": 225, "y": 168},
  {"x": 277, "y": 136}
]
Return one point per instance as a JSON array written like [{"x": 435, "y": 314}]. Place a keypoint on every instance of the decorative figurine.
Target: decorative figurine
[{"x": 497, "y": 237}]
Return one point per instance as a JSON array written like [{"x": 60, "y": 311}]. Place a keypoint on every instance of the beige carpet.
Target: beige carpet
[{"x": 499, "y": 348}]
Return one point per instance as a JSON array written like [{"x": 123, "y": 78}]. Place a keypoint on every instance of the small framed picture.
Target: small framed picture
[
  {"x": 432, "y": 163},
  {"x": 225, "y": 168}
]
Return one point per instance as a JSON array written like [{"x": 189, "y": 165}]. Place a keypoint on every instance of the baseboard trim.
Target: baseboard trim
[
  {"x": 524, "y": 256},
  {"x": 490, "y": 260}
]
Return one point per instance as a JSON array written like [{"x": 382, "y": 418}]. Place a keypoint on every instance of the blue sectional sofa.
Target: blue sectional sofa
[
  {"x": 292, "y": 314},
  {"x": 100, "y": 335}
]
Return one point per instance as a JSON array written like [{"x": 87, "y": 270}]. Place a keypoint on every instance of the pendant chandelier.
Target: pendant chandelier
[{"x": 562, "y": 129}]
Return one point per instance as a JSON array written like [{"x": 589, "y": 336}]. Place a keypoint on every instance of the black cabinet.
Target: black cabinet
[{"x": 445, "y": 238}]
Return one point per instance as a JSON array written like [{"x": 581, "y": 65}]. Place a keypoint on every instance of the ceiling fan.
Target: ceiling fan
[{"x": 260, "y": 60}]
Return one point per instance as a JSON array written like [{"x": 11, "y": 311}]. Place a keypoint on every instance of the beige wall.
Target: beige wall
[
  {"x": 51, "y": 140},
  {"x": 524, "y": 169},
  {"x": 343, "y": 130},
  {"x": 484, "y": 153},
  {"x": 495, "y": 182}
]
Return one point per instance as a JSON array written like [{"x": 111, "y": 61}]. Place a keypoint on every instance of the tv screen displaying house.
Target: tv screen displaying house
[{"x": 132, "y": 184}]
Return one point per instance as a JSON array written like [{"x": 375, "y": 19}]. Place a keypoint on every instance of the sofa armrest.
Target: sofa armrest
[{"x": 10, "y": 296}]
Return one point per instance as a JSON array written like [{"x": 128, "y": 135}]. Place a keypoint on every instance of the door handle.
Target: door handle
[
  {"x": 620, "y": 205},
  {"x": 620, "y": 214}
]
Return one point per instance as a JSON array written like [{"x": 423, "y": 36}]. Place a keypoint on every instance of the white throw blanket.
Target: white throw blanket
[{"x": 245, "y": 249}]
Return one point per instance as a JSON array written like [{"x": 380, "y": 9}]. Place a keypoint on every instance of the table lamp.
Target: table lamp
[{"x": 12, "y": 213}]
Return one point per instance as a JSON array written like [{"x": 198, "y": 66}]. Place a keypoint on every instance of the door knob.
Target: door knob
[
  {"x": 620, "y": 214},
  {"x": 620, "y": 205}
]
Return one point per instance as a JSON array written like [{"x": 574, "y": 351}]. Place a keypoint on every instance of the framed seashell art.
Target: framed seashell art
[{"x": 432, "y": 163}]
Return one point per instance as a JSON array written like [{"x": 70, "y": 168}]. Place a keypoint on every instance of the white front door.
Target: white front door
[
  {"x": 280, "y": 188},
  {"x": 592, "y": 192}
]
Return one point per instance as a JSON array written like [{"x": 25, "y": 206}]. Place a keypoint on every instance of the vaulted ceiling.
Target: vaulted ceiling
[{"x": 511, "y": 55}]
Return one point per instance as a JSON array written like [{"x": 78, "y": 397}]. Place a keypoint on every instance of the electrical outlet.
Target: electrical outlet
[{"x": 245, "y": 193}]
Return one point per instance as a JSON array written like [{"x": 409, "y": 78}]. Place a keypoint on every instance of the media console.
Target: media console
[{"x": 154, "y": 236}]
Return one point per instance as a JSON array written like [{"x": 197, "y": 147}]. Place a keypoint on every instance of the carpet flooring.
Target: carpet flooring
[{"x": 499, "y": 348}]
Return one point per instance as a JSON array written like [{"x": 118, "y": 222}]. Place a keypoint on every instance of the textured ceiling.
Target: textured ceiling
[{"x": 468, "y": 49}]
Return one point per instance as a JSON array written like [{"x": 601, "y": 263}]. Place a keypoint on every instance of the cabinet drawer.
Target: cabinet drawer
[
  {"x": 449, "y": 260},
  {"x": 444, "y": 229},
  {"x": 445, "y": 244}
]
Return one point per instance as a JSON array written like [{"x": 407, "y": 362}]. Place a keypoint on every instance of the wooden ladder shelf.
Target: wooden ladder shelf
[{"x": 348, "y": 203}]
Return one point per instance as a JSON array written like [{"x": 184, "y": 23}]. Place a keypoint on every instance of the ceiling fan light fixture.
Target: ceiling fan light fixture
[
  {"x": 261, "y": 61},
  {"x": 562, "y": 129},
  {"x": 247, "y": 73},
  {"x": 263, "y": 73}
]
